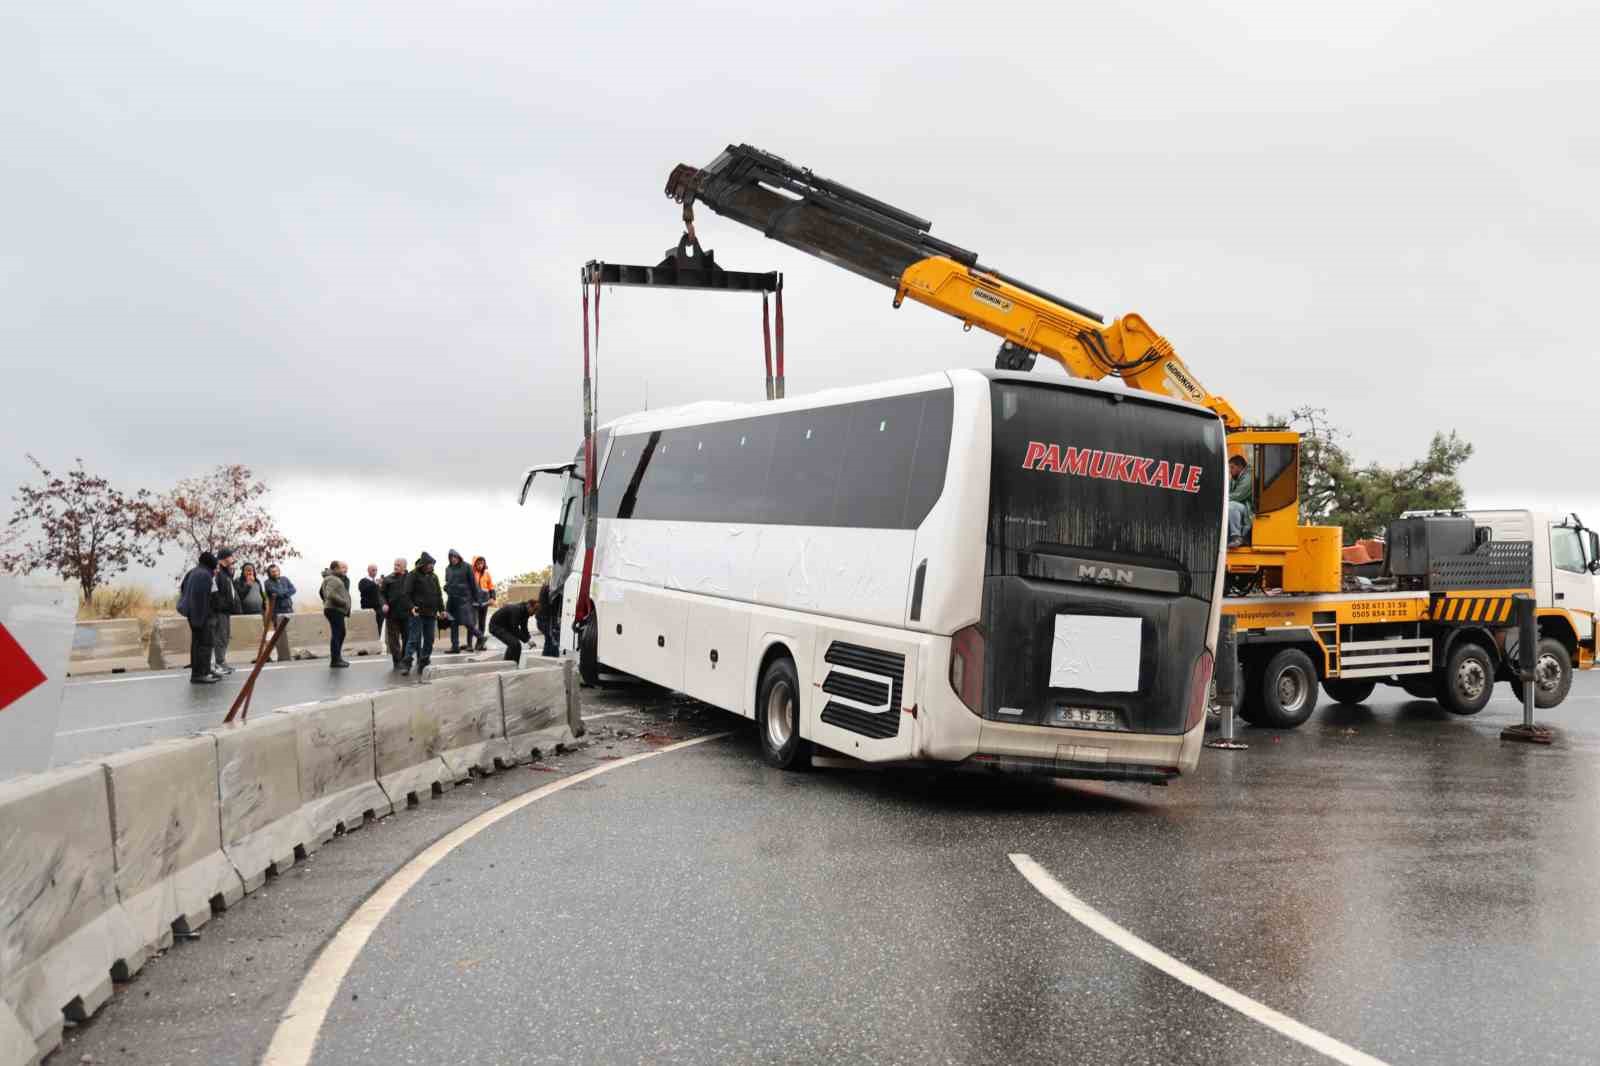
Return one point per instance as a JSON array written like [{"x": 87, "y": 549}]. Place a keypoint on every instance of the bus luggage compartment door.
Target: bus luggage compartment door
[{"x": 860, "y": 687}]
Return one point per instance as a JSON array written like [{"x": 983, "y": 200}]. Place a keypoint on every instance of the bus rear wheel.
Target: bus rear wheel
[
  {"x": 778, "y": 717},
  {"x": 1348, "y": 691},
  {"x": 1552, "y": 674},
  {"x": 1467, "y": 681},
  {"x": 1287, "y": 690}
]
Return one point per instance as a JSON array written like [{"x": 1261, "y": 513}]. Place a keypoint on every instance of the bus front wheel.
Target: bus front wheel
[
  {"x": 778, "y": 717},
  {"x": 589, "y": 651}
]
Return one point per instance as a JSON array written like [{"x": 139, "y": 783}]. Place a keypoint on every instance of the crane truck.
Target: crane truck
[{"x": 1444, "y": 627}]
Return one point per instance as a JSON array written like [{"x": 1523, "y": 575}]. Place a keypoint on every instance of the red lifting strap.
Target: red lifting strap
[
  {"x": 779, "y": 392},
  {"x": 766, "y": 341}
]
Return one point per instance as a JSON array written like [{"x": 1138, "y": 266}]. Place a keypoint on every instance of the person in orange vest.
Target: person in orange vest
[{"x": 482, "y": 597}]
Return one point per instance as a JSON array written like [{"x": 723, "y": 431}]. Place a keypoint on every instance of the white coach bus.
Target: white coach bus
[{"x": 1012, "y": 571}]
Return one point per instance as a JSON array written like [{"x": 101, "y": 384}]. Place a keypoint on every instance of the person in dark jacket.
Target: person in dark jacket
[
  {"x": 372, "y": 595},
  {"x": 548, "y": 619},
  {"x": 396, "y": 611},
  {"x": 460, "y": 589},
  {"x": 509, "y": 625},
  {"x": 426, "y": 602},
  {"x": 194, "y": 603},
  {"x": 252, "y": 597},
  {"x": 224, "y": 605},
  {"x": 335, "y": 593}
]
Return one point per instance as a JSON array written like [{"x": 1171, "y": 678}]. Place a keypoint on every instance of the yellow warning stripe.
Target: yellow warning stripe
[{"x": 1491, "y": 609}]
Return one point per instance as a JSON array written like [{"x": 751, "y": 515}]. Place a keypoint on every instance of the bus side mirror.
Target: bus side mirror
[{"x": 556, "y": 545}]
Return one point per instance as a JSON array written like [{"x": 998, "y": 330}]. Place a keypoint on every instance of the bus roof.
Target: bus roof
[{"x": 708, "y": 411}]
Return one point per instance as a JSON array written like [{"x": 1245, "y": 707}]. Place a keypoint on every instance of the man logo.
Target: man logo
[{"x": 1118, "y": 576}]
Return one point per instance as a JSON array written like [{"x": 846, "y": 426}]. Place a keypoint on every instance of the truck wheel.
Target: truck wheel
[
  {"x": 1287, "y": 690},
  {"x": 1467, "y": 681},
  {"x": 1348, "y": 691},
  {"x": 1552, "y": 674},
  {"x": 778, "y": 717}
]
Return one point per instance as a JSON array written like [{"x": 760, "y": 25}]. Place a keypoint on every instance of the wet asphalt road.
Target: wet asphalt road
[
  {"x": 107, "y": 714},
  {"x": 1391, "y": 875}
]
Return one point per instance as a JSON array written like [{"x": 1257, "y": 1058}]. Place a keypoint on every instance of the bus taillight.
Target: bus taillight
[
  {"x": 966, "y": 667},
  {"x": 1199, "y": 690}
]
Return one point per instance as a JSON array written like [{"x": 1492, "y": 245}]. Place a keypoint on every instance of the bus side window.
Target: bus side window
[{"x": 1278, "y": 477}]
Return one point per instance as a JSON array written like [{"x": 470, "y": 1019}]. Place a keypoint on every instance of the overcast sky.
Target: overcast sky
[{"x": 340, "y": 243}]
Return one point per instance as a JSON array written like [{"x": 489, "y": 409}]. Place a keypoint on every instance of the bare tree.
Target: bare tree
[
  {"x": 224, "y": 508},
  {"x": 81, "y": 527}
]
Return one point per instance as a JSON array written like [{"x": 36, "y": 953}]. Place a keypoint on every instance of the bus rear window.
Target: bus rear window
[{"x": 1105, "y": 478}]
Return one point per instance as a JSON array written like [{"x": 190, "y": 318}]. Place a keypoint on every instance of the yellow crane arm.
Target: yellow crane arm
[
  {"x": 1127, "y": 348},
  {"x": 895, "y": 248}
]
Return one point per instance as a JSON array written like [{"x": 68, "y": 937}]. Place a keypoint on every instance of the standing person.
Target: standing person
[
  {"x": 460, "y": 589},
  {"x": 224, "y": 605},
  {"x": 252, "y": 597},
  {"x": 194, "y": 603},
  {"x": 280, "y": 595},
  {"x": 335, "y": 594},
  {"x": 548, "y": 619},
  {"x": 482, "y": 597},
  {"x": 426, "y": 601},
  {"x": 372, "y": 595},
  {"x": 396, "y": 611},
  {"x": 510, "y": 626}
]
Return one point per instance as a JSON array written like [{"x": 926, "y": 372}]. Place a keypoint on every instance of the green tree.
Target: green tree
[{"x": 1335, "y": 491}]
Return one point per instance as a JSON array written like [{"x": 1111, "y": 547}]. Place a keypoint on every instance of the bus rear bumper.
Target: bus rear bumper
[{"x": 1095, "y": 755}]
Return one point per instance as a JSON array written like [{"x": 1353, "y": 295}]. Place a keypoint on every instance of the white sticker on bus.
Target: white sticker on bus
[{"x": 1098, "y": 653}]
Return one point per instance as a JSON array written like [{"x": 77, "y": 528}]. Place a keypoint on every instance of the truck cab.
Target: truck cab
[{"x": 1566, "y": 563}]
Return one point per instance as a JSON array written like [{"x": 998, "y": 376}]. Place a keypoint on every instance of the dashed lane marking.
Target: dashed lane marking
[
  {"x": 1057, "y": 893},
  {"x": 295, "y": 1040}
]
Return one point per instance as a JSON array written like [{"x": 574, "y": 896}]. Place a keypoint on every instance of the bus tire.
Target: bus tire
[
  {"x": 1467, "y": 680},
  {"x": 1287, "y": 690},
  {"x": 589, "y": 651},
  {"x": 1552, "y": 671},
  {"x": 778, "y": 717},
  {"x": 1348, "y": 691}
]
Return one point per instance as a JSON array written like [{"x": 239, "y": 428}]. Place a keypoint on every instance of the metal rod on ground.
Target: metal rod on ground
[
  {"x": 1227, "y": 682},
  {"x": 1527, "y": 730},
  {"x": 241, "y": 702}
]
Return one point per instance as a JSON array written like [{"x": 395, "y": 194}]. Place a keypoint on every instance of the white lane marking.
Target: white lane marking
[
  {"x": 608, "y": 714},
  {"x": 296, "y": 1037},
  {"x": 183, "y": 675},
  {"x": 212, "y": 713},
  {"x": 1057, "y": 893}
]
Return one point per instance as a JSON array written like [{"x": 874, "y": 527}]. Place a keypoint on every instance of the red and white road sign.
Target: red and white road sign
[{"x": 37, "y": 614}]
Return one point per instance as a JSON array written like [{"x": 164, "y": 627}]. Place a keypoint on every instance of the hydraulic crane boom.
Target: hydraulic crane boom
[{"x": 894, "y": 248}]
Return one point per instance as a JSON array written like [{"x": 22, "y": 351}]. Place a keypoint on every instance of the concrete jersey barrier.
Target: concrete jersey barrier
[
  {"x": 167, "y": 835},
  {"x": 265, "y": 828},
  {"x": 106, "y": 861},
  {"x": 108, "y": 646},
  {"x": 62, "y": 928},
  {"x": 308, "y": 631}
]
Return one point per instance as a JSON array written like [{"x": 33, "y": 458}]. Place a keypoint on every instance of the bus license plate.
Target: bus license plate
[{"x": 1102, "y": 716}]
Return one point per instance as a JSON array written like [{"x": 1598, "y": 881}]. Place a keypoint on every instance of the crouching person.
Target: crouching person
[{"x": 509, "y": 624}]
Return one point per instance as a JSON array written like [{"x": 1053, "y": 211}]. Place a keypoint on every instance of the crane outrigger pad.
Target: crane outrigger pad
[{"x": 685, "y": 267}]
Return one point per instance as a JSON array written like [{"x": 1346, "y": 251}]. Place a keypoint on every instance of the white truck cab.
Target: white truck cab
[{"x": 1566, "y": 561}]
